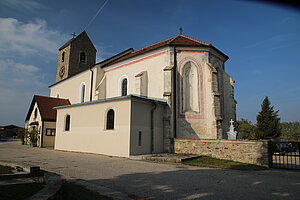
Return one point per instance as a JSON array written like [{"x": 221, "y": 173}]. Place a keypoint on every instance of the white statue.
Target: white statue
[{"x": 231, "y": 133}]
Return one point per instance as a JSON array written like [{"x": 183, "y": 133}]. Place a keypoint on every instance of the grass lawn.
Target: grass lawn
[
  {"x": 205, "y": 161},
  {"x": 19, "y": 191},
  {"x": 5, "y": 169},
  {"x": 71, "y": 191}
]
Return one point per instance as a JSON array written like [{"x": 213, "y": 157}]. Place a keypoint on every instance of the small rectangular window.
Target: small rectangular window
[
  {"x": 140, "y": 138},
  {"x": 50, "y": 132}
]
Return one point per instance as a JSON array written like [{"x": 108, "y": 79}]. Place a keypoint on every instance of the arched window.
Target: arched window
[
  {"x": 190, "y": 88},
  {"x": 110, "y": 119},
  {"x": 82, "y": 92},
  {"x": 35, "y": 113},
  {"x": 82, "y": 57},
  {"x": 124, "y": 87},
  {"x": 67, "y": 123},
  {"x": 63, "y": 57}
]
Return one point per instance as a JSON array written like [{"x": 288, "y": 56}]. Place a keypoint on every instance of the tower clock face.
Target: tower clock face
[{"x": 62, "y": 71}]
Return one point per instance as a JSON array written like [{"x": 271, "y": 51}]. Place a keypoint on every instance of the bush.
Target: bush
[{"x": 33, "y": 137}]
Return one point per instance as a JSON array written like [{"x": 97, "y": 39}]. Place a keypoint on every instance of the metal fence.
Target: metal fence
[{"x": 284, "y": 155}]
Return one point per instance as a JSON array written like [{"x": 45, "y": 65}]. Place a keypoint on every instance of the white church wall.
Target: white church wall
[
  {"x": 141, "y": 128},
  {"x": 153, "y": 63},
  {"x": 70, "y": 88},
  {"x": 88, "y": 129}
]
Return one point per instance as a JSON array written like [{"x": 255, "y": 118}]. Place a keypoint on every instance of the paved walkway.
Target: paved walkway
[{"x": 159, "y": 181}]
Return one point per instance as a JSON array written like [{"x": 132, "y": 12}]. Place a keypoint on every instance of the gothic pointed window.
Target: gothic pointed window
[
  {"x": 124, "y": 87},
  {"x": 67, "y": 123},
  {"x": 82, "y": 57},
  {"x": 190, "y": 88},
  {"x": 110, "y": 119}
]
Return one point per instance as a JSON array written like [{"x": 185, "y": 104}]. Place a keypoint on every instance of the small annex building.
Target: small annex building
[
  {"x": 42, "y": 117},
  {"x": 137, "y": 102}
]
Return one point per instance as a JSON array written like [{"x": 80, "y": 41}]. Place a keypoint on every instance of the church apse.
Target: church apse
[{"x": 195, "y": 100}]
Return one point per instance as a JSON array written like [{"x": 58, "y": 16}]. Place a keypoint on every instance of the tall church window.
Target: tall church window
[
  {"x": 190, "y": 88},
  {"x": 35, "y": 113},
  {"x": 82, "y": 57},
  {"x": 63, "y": 57},
  {"x": 110, "y": 119},
  {"x": 124, "y": 87},
  {"x": 82, "y": 92},
  {"x": 67, "y": 123}
]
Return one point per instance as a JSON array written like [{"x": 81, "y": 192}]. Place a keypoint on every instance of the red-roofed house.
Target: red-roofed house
[{"x": 42, "y": 117}]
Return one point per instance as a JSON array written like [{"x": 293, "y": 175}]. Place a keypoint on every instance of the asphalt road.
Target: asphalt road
[{"x": 158, "y": 180}]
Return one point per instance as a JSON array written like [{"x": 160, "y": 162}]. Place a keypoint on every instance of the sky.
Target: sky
[{"x": 262, "y": 42}]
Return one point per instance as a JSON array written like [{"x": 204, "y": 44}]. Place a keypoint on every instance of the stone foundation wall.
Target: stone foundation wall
[{"x": 252, "y": 152}]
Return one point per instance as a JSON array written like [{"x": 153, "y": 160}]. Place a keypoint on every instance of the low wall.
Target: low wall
[{"x": 252, "y": 152}]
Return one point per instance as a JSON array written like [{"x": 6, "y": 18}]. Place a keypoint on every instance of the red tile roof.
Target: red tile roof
[
  {"x": 178, "y": 40},
  {"x": 45, "y": 105}
]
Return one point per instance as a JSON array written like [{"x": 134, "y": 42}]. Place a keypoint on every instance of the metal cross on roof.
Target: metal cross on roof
[
  {"x": 73, "y": 34},
  {"x": 180, "y": 29}
]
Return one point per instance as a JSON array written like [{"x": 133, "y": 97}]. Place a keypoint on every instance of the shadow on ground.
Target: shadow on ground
[{"x": 206, "y": 184}]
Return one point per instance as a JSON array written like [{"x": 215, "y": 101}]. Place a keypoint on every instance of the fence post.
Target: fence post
[{"x": 270, "y": 154}]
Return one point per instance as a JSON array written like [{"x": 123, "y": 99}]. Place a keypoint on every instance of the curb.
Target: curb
[
  {"x": 173, "y": 158},
  {"x": 51, "y": 190}
]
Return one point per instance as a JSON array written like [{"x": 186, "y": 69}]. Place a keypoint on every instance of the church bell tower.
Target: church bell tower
[{"x": 76, "y": 55}]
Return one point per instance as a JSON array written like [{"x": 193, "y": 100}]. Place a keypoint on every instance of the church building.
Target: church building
[{"x": 135, "y": 102}]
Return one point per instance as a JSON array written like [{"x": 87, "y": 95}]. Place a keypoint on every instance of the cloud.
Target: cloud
[
  {"x": 22, "y": 4},
  {"x": 28, "y": 38},
  {"x": 19, "y": 77}
]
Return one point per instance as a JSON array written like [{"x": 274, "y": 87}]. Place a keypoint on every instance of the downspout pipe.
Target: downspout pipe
[
  {"x": 152, "y": 126},
  {"x": 92, "y": 78},
  {"x": 175, "y": 94}
]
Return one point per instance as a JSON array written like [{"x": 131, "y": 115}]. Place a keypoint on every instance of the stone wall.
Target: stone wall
[{"x": 252, "y": 152}]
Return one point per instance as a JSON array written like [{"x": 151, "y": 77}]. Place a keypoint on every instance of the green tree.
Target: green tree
[
  {"x": 246, "y": 130},
  {"x": 290, "y": 131},
  {"x": 268, "y": 122}
]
